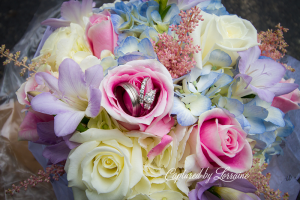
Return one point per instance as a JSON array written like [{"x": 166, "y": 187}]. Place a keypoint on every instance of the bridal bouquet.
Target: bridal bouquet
[{"x": 157, "y": 99}]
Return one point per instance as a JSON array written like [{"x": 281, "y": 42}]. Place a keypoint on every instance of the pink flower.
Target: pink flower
[
  {"x": 100, "y": 33},
  {"x": 28, "y": 127},
  {"x": 32, "y": 85},
  {"x": 219, "y": 141},
  {"x": 157, "y": 120},
  {"x": 288, "y": 101}
]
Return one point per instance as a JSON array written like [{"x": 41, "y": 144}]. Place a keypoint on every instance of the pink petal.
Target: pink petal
[
  {"x": 285, "y": 105},
  {"x": 160, "y": 147},
  {"x": 103, "y": 37}
]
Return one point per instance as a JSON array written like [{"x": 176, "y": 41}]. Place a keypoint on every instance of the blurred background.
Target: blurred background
[{"x": 17, "y": 17}]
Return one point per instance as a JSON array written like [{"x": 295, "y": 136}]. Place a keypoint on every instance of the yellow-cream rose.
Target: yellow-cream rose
[
  {"x": 68, "y": 42},
  {"x": 106, "y": 165},
  {"x": 228, "y": 33}
]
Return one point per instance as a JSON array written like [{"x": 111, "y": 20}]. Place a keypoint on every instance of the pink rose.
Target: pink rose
[
  {"x": 157, "y": 120},
  {"x": 219, "y": 141},
  {"x": 288, "y": 101},
  {"x": 32, "y": 85},
  {"x": 100, "y": 33}
]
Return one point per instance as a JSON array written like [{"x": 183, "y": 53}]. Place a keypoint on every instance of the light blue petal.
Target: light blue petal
[
  {"x": 149, "y": 11},
  {"x": 244, "y": 123},
  {"x": 149, "y": 33},
  {"x": 192, "y": 88},
  {"x": 121, "y": 13},
  {"x": 132, "y": 56},
  {"x": 224, "y": 80},
  {"x": 201, "y": 105},
  {"x": 255, "y": 111},
  {"x": 184, "y": 116},
  {"x": 195, "y": 73},
  {"x": 234, "y": 106},
  {"x": 207, "y": 81},
  {"x": 117, "y": 21},
  {"x": 275, "y": 116},
  {"x": 122, "y": 6},
  {"x": 129, "y": 45},
  {"x": 287, "y": 129},
  {"x": 128, "y": 24},
  {"x": 146, "y": 47},
  {"x": 173, "y": 11},
  {"x": 257, "y": 125},
  {"x": 219, "y": 58},
  {"x": 267, "y": 137},
  {"x": 156, "y": 16},
  {"x": 270, "y": 126}
]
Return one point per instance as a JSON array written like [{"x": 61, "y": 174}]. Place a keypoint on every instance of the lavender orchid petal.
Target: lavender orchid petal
[
  {"x": 264, "y": 94},
  {"x": 283, "y": 88},
  {"x": 265, "y": 73},
  {"x": 71, "y": 79},
  {"x": 247, "y": 57},
  {"x": 46, "y": 133},
  {"x": 93, "y": 76},
  {"x": 71, "y": 10},
  {"x": 66, "y": 123},
  {"x": 43, "y": 78},
  {"x": 245, "y": 77},
  {"x": 86, "y": 7},
  {"x": 56, "y": 23},
  {"x": 69, "y": 143},
  {"x": 56, "y": 153},
  {"x": 209, "y": 196},
  {"x": 94, "y": 102},
  {"x": 48, "y": 104}
]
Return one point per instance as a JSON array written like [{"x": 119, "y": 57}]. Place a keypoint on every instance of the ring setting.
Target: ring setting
[{"x": 137, "y": 100}]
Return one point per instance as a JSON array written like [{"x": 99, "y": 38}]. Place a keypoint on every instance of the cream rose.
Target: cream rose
[
  {"x": 228, "y": 33},
  {"x": 68, "y": 42},
  {"x": 106, "y": 165}
]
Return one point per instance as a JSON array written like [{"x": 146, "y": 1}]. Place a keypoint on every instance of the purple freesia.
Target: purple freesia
[
  {"x": 58, "y": 148},
  {"x": 185, "y": 4},
  {"x": 71, "y": 12},
  {"x": 73, "y": 95},
  {"x": 263, "y": 75},
  {"x": 239, "y": 188}
]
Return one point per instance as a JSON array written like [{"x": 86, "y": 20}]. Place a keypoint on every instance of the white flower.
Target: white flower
[
  {"x": 68, "y": 42},
  {"x": 228, "y": 33},
  {"x": 154, "y": 185},
  {"x": 106, "y": 165}
]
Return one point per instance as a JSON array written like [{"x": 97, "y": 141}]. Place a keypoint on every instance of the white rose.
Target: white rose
[
  {"x": 154, "y": 184},
  {"x": 228, "y": 33},
  {"x": 68, "y": 42},
  {"x": 106, "y": 165}
]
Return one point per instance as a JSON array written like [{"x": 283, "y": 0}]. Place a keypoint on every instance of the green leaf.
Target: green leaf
[
  {"x": 162, "y": 6},
  {"x": 164, "y": 13},
  {"x": 81, "y": 128},
  {"x": 249, "y": 96},
  {"x": 212, "y": 190}
]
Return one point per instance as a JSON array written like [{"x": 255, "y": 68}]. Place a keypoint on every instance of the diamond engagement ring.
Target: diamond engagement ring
[
  {"x": 147, "y": 100},
  {"x": 120, "y": 91}
]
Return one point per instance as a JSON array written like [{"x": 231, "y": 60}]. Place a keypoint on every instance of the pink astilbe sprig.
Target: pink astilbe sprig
[
  {"x": 175, "y": 54},
  {"x": 273, "y": 44},
  {"x": 53, "y": 172},
  {"x": 261, "y": 182}
]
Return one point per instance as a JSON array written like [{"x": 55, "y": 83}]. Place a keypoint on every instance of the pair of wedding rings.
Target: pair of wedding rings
[{"x": 137, "y": 100}]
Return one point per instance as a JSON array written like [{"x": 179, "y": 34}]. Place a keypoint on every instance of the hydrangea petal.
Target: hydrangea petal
[{"x": 219, "y": 58}]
